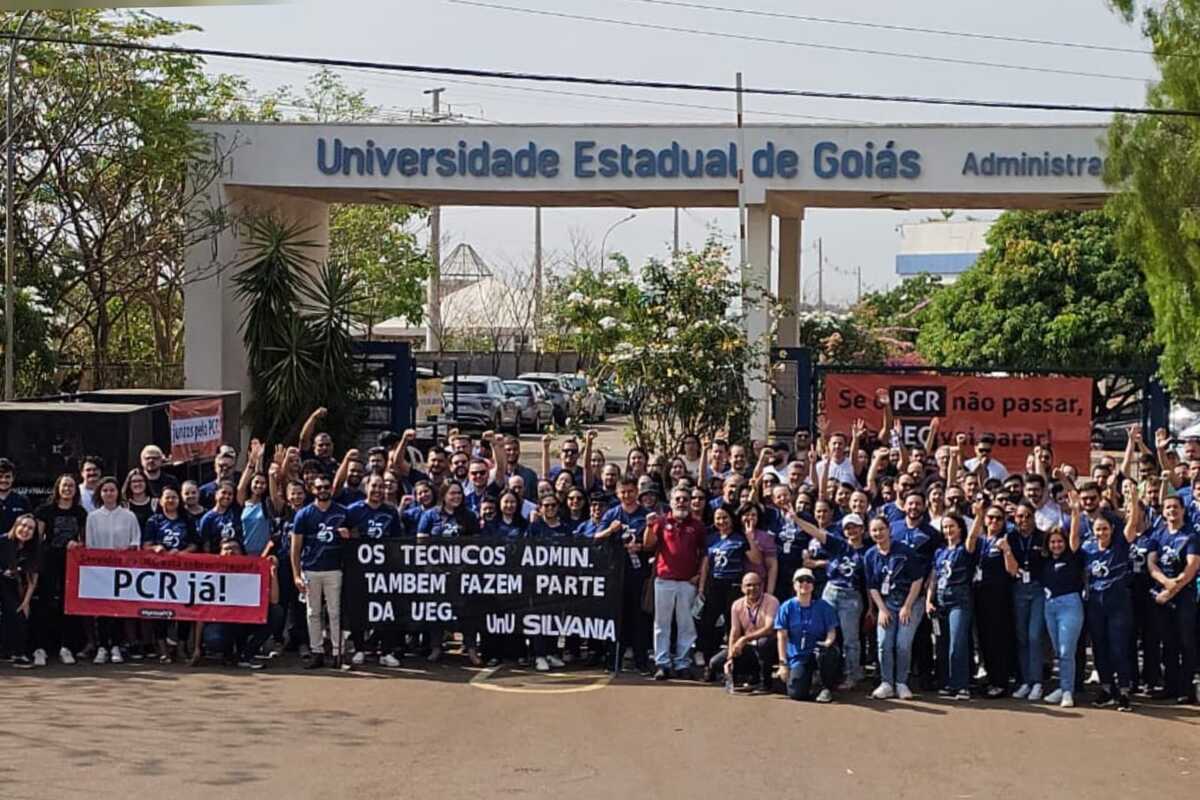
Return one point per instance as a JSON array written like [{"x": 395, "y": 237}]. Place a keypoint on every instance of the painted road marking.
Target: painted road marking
[{"x": 480, "y": 681}]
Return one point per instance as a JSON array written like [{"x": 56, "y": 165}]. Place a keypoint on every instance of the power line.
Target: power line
[
  {"x": 541, "y": 77},
  {"x": 794, "y": 43},
  {"x": 750, "y": 12}
]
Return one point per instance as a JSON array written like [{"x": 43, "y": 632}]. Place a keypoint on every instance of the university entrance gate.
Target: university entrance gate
[{"x": 296, "y": 170}]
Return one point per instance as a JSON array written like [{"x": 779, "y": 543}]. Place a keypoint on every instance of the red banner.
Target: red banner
[
  {"x": 1021, "y": 413},
  {"x": 153, "y": 586},
  {"x": 196, "y": 428}
]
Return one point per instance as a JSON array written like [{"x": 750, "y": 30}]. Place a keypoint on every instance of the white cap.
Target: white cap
[{"x": 852, "y": 519}]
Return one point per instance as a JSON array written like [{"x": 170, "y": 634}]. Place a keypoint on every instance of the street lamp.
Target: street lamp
[{"x": 604, "y": 239}]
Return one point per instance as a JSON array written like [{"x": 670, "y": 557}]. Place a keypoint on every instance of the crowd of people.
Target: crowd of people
[{"x": 804, "y": 565}]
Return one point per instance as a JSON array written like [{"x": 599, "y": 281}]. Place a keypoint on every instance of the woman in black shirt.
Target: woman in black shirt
[
  {"x": 20, "y": 559},
  {"x": 60, "y": 523}
]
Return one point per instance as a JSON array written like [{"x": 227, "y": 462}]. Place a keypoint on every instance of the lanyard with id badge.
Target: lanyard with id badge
[{"x": 1023, "y": 560}]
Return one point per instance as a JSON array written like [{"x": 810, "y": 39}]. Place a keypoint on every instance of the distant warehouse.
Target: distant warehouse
[{"x": 940, "y": 247}]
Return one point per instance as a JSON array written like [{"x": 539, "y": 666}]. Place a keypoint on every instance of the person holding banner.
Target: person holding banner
[
  {"x": 170, "y": 530},
  {"x": 238, "y": 644},
  {"x": 316, "y": 555},
  {"x": 61, "y": 522},
  {"x": 373, "y": 520},
  {"x": 223, "y": 521},
  {"x": 109, "y": 527},
  {"x": 20, "y": 562},
  {"x": 450, "y": 519},
  {"x": 628, "y": 522}
]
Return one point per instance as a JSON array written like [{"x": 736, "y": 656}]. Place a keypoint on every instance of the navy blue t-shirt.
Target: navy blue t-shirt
[
  {"x": 411, "y": 517},
  {"x": 374, "y": 523},
  {"x": 173, "y": 534},
  {"x": 924, "y": 539},
  {"x": 1106, "y": 569},
  {"x": 322, "y": 547},
  {"x": 954, "y": 569},
  {"x": 1139, "y": 552},
  {"x": 348, "y": 497},
  {"x": 11, "y": 507},
  {"x": 576, "y": 474},
  {"x": 436, "y": 522},
  {"x": 844, "y": 566},
  {"x": 1174, "y": 548},
  {"x": 589, "y": 528},
  {"x": 217, "y": 526},
  {"x": 727, "y": 556},
  {"x": 540, "y": 529},
  {"x": 507, "y": 530},
  {"x": 807, "y": 626},
  {"x": 635, "y": 521},
  {"x": 991, "y": 569},
  {"x": 1062, "y": 575},
  {"x": 1028, "y": 552},
  {"x": 892, "y": 575}
]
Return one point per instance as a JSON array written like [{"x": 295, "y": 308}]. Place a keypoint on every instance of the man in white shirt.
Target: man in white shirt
[
  {"x": 1047, "y": 514},
  {"x": 983, "y": 457},
  {"x": 839, "y": 465}
]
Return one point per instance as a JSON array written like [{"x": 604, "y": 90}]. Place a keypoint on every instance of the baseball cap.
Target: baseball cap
[
  {"x": 804, "y": 573},
  {"x": 852, "y": 519}
]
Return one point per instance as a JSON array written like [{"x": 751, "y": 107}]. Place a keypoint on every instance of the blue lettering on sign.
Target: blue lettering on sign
[
  {"x": 1045, "y": 165},
  {"x": 830, "y": 161}
]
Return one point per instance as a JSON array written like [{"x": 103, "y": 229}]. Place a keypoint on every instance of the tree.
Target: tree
[
  {"x": 296, "y": 328},
  {"x": 672, "y": 339},
  {"x": 1154, "y": 162},
  {"x": 105, "y": 202},
  {"x": 895, "y": 317},
  {"x": 1050, "y": 291},
  {"x": 840, "y": 339}
]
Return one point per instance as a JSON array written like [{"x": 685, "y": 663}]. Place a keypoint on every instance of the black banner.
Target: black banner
[{"x": 500, "y": 586}]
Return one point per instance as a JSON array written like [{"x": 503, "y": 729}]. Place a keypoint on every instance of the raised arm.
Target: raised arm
[
  {"x": 398, "y": 458},
  {"x": 1136, "y": 517},
  {"x": 309, "y": 430},
  {"x": 546, "y": 440},
  {"x": 877, "y": 463},
  {"x": 339, "y": 478},
  {"x": 1076, "y": 523},
  {"x": 1130, "y": 449},
  {"x": 812, "y": 530},
  {"x": 978, "y": 511},
  {"x": 589, "y": 441},
  {"x": 253, "y": 465},
  {"x": 931, "y": 433},
  {"x": 857, "y": 431}
]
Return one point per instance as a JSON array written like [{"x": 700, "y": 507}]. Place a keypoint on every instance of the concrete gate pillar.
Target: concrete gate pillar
[{"x": 758, "y": 273}]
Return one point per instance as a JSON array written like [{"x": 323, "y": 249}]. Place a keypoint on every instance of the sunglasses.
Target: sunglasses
[
  {"x": 984, "y": 450},
  {"x": 994, "y": 518},
  {"x": 803, "y": 580}
]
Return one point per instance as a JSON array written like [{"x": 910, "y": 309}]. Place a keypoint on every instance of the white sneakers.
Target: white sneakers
[
  {"x": 1054, "y": 697},
  {"x": 389, "y": 660},
  {"x": 903, "y": 692},
  {"x": 39, "y": 657},
  {"x": 1022, "y": 691},
  {"x": 115, "y": 656},
  {"x": 359, "y": 658},
  {"x": 1035, "y": 693},
  {"x": 65, "y": 656},
  {"x": 101, "y": 656},
  {"x": 883, "y": 692},
  {"x": 541, "y": 664},
  {"x": 1068, "y": 700},
  {"x": 555, "y": 662}
]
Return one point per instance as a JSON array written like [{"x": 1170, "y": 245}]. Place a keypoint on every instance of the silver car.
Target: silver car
[{"x": 535, "y": 411}]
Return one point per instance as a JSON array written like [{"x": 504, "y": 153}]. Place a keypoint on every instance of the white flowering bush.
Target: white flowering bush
[{"x": 671, "y": 338}]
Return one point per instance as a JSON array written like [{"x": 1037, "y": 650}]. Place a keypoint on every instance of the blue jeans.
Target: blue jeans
[
  {"x": 1029, "y": 601},
  {"x": 955, "y": 622},
  {"x": 895, "y": 646},
  {"x": 849, "y": 606},
  {"x": 673, "y": 601},
  {"x": 1064, "y": 619}
]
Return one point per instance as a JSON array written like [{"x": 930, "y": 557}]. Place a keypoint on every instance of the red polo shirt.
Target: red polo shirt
[{"x": 680, "y": 548}]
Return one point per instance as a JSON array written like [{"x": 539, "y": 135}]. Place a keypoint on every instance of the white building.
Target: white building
[{"x": 940, "y": 247}]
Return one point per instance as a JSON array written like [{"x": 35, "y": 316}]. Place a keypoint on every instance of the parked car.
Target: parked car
[
  {"x": 535, "y": 410},
  {"x": 1112, "y": 434},
  {"x": 559, "y": 392},
  {"x": 615, "y": 400},
  {"x": 589, "y": 404},
  {"x": 482, "y": 403}
]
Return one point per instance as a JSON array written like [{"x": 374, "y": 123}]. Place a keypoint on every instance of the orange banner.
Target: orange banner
[
  {"x": 1021, "y": 413},
  {"x": 196, "y": 428}
]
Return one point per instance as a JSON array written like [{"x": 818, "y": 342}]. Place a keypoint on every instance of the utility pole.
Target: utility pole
[
  {"x": 10, "y": 228},
  {"x": 859, "y": 285},
  {"x": 820, "y": 275},
  {"x": 433, "y": 294},
  {"x": 537, "y": 269},
  {"x": 675, "y": 238}
]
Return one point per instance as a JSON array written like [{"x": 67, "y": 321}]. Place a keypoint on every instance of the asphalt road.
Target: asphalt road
[{"x": 155, "y": 731}]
